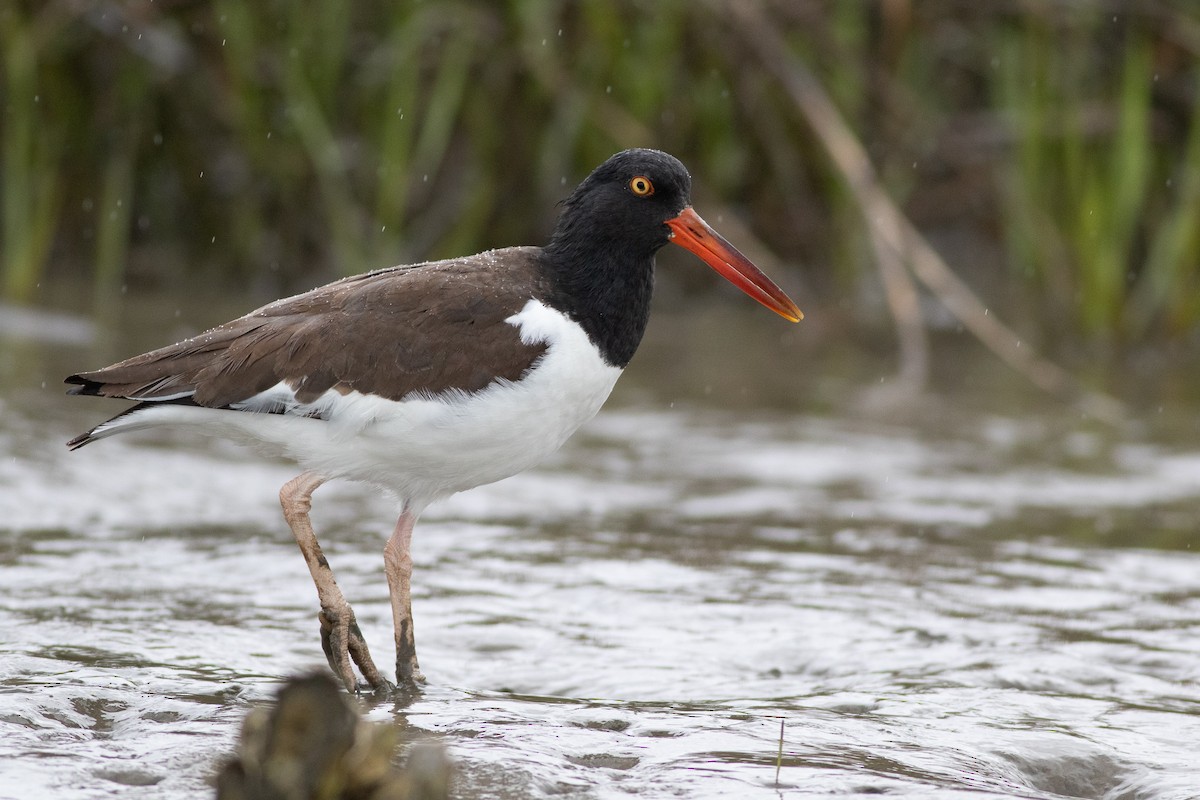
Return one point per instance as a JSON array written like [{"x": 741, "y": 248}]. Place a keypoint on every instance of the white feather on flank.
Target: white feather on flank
[{"x": 424, "y": 447}]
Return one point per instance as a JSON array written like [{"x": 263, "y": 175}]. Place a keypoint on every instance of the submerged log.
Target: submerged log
[{"x": 312, "y": 744}]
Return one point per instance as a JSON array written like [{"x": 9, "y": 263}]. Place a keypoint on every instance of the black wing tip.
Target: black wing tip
[
  {"x": 79, "y": 385},
  {"x": 90, "y": 436},
  {"x": 80, "y": 440},
  {"x": 82, "y": 385}
]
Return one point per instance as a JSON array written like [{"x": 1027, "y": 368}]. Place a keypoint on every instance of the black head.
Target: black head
[
  {"x": 625, "y": 203},
  {"x": 600, "y": 260}
]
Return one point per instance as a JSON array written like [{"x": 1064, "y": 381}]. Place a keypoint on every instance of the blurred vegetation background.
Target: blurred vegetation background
[{"x": 1048, "y": 149}]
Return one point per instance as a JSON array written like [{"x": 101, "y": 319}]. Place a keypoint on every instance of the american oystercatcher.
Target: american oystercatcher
[{"x": 430, "y": 379}]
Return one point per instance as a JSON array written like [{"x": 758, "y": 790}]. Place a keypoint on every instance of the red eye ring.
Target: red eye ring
[{"x": 641, "y": 186}]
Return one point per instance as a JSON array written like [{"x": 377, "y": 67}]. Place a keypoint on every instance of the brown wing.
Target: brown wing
[{"x": 428, "y": 328}]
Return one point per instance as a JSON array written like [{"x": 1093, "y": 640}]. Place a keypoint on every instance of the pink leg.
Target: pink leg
[
  {"x": 398, "y": 564},
  {"x": 341, "y": 638}
]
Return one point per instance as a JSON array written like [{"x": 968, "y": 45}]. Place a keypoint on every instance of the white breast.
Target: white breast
[{"x": 429, "y": 447}]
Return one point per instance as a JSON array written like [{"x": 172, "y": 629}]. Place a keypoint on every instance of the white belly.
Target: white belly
[{"x": 427, "y": 448}]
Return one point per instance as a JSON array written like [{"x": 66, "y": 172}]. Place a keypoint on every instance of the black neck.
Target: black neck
[{"x": 603, "y": 286}]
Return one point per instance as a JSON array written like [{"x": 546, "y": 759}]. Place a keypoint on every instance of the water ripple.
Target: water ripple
[{"x": 928, "y": 616}]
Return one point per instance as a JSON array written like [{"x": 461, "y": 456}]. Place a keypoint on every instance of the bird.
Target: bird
[{"x": 431, "y": 379}]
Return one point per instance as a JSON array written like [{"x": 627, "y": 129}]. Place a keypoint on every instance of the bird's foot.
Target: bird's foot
[
  {"x": 408, "y": 672},
  {"x": 343, "y": 643}
]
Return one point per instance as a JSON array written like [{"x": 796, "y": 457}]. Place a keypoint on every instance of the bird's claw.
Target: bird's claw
[{"x": 343, "y": 643}]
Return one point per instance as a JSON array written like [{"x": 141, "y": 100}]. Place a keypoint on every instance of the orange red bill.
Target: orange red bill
[{"x": 692, "y": 233}]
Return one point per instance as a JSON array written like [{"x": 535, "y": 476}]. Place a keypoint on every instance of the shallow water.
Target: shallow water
[{"x": 962, "y": 604}]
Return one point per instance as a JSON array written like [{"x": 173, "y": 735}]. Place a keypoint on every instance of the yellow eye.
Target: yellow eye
[{"x": 641, "y": 186}]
